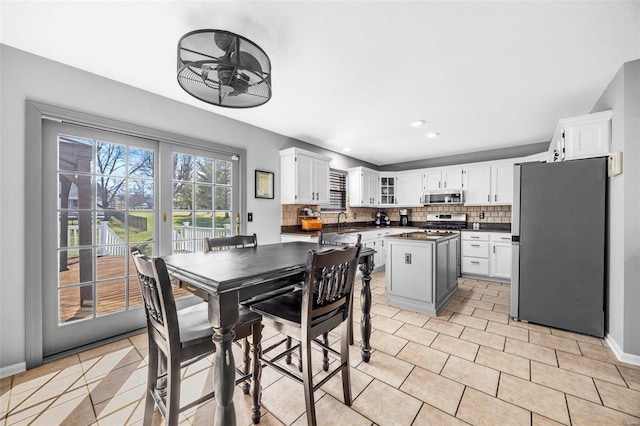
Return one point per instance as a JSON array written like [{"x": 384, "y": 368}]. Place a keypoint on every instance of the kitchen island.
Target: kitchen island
[{"x": 422, "y": 270}]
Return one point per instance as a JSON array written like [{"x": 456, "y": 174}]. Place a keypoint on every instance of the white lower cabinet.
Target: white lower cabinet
[
  {"x": 486, "y": 254},
  {"x": 500, "y": 256}
]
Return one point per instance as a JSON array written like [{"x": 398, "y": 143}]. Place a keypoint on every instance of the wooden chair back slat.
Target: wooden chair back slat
[
  {"x": 157, "y": 293},
  {"x": 328, "y": 281}
]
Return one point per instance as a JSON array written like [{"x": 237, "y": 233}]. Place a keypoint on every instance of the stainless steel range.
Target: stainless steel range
[{"x": 446, "y": 223}]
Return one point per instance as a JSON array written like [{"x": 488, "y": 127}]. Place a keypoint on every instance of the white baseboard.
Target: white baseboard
[
  {"x": 10, "y": 370},
  {"x": 617, "y": 351}
]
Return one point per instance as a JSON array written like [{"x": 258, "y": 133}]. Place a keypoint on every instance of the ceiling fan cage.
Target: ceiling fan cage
[{"x": 224, "y": 69}]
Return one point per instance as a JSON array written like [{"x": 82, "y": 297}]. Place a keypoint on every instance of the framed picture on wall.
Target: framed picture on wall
[{"x": 264, "y": 184}]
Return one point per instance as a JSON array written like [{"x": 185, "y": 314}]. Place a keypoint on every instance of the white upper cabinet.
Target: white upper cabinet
[
  {"x": 452, "y": 178},
  {"x": 304, "y": 177},
  {"x": 477, "y": 185},
  {"x": 409, "y": 188},
  {"x": 584, "y": 136},
  {"x": 363, "y": 187},
  {"x": 502, "y": 183},
  {"x": 489, "y": 184},
  {"x": 441, "y": 178}
]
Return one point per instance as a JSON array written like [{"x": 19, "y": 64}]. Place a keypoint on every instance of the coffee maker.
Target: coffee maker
[{"x": 404, "y": 217}]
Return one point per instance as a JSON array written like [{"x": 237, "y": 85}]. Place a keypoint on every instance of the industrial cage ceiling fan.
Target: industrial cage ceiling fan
[{"x": 224, "y": 69}]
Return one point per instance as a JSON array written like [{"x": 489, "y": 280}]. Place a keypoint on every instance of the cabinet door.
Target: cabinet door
[
  {"x": 409, "y": 189},
  {"x": 370, "y": 189},
  {"x": 500, "y": 260},
  {"x": 305, "y": 179},
  {"x": 321, "y": 175},
  {"x": 477, "y": 184},
  {"x": 355, "y": 189},
  {"x": 452, "y": 178},
  {"x": 587, "y": 140},
  {"x": 432, "y": 180},
  {"x": 502, "y": 183}
]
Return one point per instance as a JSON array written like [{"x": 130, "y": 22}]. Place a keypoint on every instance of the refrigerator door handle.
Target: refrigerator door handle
[
  {"x": 515, "y": 279},
  {"x": 515, "y": 209}
]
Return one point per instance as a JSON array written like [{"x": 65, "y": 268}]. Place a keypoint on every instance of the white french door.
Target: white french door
[{"x": 105, "y": 192}]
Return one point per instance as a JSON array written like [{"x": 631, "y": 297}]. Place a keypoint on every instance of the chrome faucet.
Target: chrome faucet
[{"x": 344, "y": 224}]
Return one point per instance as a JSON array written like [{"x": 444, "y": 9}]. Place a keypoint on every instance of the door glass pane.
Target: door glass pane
[
  {"x": 106, "y": 202},
  {"x": 202, "y": 200}
]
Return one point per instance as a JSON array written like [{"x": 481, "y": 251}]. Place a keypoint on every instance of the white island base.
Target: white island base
[{"x": 422, "y": 271}]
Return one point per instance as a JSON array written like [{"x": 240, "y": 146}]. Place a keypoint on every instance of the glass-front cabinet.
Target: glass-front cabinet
[{"x": 388, "y": 190}]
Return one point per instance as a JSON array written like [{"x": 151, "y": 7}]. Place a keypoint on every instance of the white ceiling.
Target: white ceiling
[{"x": 355, "y": 74}]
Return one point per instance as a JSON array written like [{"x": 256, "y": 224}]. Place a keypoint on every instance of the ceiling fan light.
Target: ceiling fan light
[{"x": 224, "y": 69}]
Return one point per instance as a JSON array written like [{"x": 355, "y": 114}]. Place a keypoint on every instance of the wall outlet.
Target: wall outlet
[
  {"x": 481, "y": 215},
  {"x": 355, "y": 215},
  {"x": 249, "y": 217}
]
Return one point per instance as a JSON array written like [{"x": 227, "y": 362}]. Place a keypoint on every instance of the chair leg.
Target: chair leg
[
  {"x": 307, "y": 379},
  {"x": 288, "y": 357},
  {"x": 246, "y": 366},
  {"x": 344, "y": 359},
  {"x": 256, "y": 371},
  {"x": 152, "y": 382},
  {"x": 173, "y": 390},
  {"x": 325, "y": 353},
  {"x": 350, "y": 332}
]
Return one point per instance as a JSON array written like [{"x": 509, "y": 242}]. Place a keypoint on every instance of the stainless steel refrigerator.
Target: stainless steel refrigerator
[{"x": 559, "y": 244}]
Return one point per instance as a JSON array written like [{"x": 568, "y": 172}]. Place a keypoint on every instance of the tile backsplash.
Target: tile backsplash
[{"x": 492, "y": 214}]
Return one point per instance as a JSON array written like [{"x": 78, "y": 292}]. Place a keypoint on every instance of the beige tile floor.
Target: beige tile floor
[{"x": 471, "y": 365}]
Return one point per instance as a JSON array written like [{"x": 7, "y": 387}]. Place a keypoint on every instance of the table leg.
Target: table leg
[
  {"x": 223, "y": 314},
  {"x": 365, "y": 304}
]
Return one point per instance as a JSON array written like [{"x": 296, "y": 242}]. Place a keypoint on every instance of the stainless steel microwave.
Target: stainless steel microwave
[{"x": 443, "y": 197}]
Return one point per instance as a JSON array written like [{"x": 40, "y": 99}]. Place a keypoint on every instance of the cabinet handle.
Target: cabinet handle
[
  {"x": 317, "y": 195},
  {"x": 439, "y": 183},
  {"x": 489, "y": 198},
  {"x": 475, "y": 236},
  {"x": 445, "y": 184},
  {"x": 313, "y": 194},
  {"x": 494, "y": 249},
  {"x": 475, "y": 263},
  {"x": 475, "y": 245},
  {"x": 495, "y": 197}
]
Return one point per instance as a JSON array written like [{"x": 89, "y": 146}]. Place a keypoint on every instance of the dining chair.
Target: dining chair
[
  {"x": 323, "y": 305},
  {"x": 336, "y": 239},
  {"x": 235, "y": 241},
  {"x": 181, "y": 337}
]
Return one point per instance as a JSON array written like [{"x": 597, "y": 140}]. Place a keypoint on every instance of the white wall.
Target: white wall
[
  {"x": 622, "y": 96},
  {"x": 26, "y": 76}
]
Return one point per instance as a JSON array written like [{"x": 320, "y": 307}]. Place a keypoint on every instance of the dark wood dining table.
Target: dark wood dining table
[{"x": 227, "y": 277}]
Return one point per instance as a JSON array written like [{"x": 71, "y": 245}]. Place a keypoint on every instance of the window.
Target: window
[{"x": 337, "y": 191}]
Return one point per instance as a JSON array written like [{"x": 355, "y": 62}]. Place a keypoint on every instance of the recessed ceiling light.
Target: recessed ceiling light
[
  {"x": 346, "y": 149},
  {"x": 417, "y": 123},
  {"x": 433, "y": 135}
]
